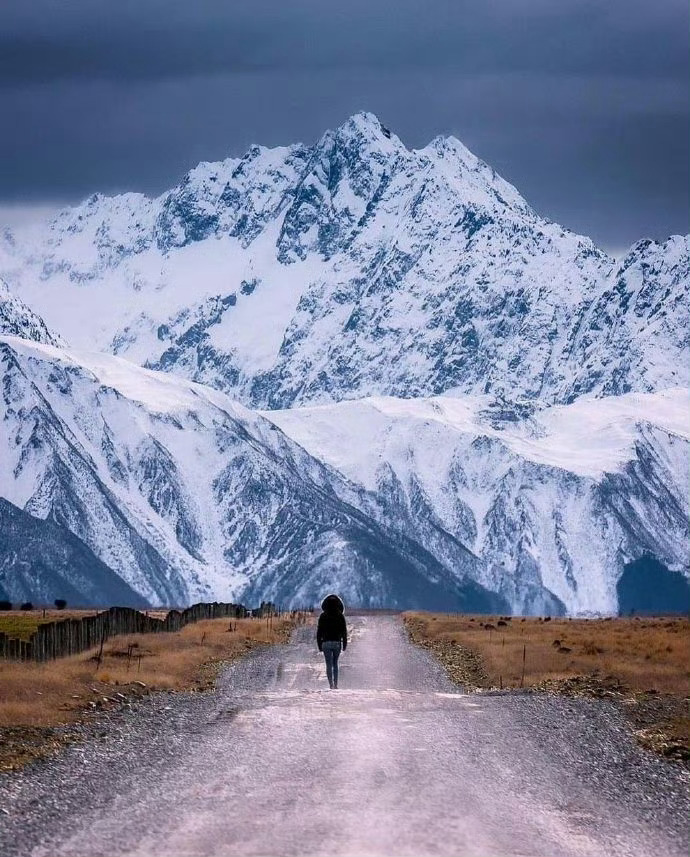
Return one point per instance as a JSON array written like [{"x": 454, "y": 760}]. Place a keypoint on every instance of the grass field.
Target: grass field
[
  {"x": 36, "y": 694},
  {"x": 644, "y": 662},
  {"x": 35, "y": 698},
  {"x": 644, "y": 654},
  {"x": 22, "y": 623}
]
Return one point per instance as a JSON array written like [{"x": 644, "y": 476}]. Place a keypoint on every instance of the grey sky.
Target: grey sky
[{"x": 583, "y": 105}]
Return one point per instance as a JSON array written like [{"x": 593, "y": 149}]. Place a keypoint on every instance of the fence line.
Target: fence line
[{"x": 70, "y": 636}]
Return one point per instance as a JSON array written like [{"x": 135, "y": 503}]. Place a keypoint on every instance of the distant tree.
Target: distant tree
[
  {"x": 5, "y": 605},
  {"x": 60, "y": 603},
  {"x": 27, "y": 605}
]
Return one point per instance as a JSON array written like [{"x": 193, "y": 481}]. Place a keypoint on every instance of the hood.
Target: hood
[{"x": 332, "y": 604}]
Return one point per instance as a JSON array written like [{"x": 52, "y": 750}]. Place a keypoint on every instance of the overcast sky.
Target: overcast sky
[{"x": 582, "y": 104}]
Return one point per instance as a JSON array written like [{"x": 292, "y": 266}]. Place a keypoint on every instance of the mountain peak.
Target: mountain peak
[
  {"x": 364, "y": 129},
  {"x": 452, "y": 148},
  {"x": 367, "y": 123},
  {"x": 291, "y": 275}
]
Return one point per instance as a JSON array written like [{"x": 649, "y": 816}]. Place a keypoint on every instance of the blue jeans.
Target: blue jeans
[{"x": 331, "y": 652}]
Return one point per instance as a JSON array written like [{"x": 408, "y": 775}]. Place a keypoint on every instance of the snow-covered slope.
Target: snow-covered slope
[
  {"x": 435, "y": 502},
  {"x": 356, "y": 267},
  {"x": 41, "y": 561},
  {"x": 187, "y": 495},
  {"x": 474, "y": 399},
  {"x": 635, "y": 335},
  {"x": 16, "y": 319},
  {"x": 554, "y": 505}
]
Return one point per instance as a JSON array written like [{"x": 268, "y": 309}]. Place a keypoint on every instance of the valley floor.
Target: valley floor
[
  {"x": 641, "y": 664},
  {"x": 396, "y": 762}
]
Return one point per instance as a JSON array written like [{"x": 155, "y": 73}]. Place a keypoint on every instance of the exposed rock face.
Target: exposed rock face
[
  {"x": 16, "y": 319},
  {"x": 485, "y": 439},
  {"x": 41, "y": 561},
  {"x": 357, "y": 267},
  {"x": 186, "y": 495}
]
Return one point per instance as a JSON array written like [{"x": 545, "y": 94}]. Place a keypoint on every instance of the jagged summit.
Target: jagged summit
[
  {"x": 355, "y": 267},
  {"x": 365, "y": 130},
  {"x": 367, "y": 123}
]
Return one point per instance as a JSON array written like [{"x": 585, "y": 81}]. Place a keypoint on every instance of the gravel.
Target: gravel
[{"x": 396, "y": 762}]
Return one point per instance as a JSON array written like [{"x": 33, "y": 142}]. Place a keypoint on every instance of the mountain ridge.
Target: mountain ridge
[
  {"x": 41, "y": 561},
  {"x": 17, "y": 319},
  {"x": 479, "y": 366},
  {"x": 555, "y": 505},
  {"x": 288, "y": 276},
  {"x": 187, "y": 495}
]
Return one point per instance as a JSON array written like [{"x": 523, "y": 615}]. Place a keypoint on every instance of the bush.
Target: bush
[
  {"x": 60, "y": 603},
  {"x": 27, "y": 605},
  {"x": 5, "y": 605}
]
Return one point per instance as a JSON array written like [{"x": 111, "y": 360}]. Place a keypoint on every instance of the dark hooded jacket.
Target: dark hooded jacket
[{"x": 332, "y": 622}]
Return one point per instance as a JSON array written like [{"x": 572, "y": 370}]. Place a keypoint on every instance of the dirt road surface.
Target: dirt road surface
[{"x": 396, "y": 762}]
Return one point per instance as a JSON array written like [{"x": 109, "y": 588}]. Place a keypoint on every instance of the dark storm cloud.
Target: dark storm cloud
[
  {"x": 583, "y": 105},
  {"x": 46, "y": 40}
]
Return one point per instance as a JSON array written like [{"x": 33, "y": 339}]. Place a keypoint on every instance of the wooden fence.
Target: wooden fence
[{"x": 70, "y": 636}]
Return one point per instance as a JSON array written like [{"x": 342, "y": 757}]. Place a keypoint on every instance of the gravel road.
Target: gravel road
[{"x": 396, "y": 762}]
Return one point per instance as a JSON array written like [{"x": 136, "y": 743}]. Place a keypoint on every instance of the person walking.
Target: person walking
[{"x": 331, "y": 635}]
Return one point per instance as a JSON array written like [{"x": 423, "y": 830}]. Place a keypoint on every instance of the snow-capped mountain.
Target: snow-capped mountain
[
  {"x": 445, "y": 502},
  {"x": 635, "y": 335},
  {"x": 16, "y": 319},
  {"x": 555, "y": 506},
  {"x": 186, "y": 495},
  {"x": 356, "y": 267},
  {"x": 463, "y": 405},
  {"x": 41, "y": 561}
]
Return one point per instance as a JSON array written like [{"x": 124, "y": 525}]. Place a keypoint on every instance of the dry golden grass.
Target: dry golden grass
[
  {"x": 644, "y": 654},
  {"x": 644, "y": 663},
  {"x": 23, "y": 623},
  {"x": 58, "y": 692}
]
